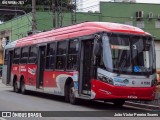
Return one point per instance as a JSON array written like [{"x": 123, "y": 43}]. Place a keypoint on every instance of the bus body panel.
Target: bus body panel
[
  {"x": 105, "y": 91},
  {"x": 31, "y": 74},
  {"x": 54, "y": 81},
  {"x": 78, "y": 30},
  {"x": 56, "y": 37},
  {"x": 15, "y": 73}
]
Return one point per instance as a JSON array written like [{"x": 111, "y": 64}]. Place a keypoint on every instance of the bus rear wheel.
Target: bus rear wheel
[
  {"x": 119, "y": 103},
  {"x": 73, "y": 100}
]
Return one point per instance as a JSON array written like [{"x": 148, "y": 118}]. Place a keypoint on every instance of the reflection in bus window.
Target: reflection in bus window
[
  {"x": 50, "y": 58},
  {"x": 16, "y": 56},
  {"x": 24, "y": 55},
  {"x": 61, "y": 55},
  {"x": 32, "y": 54},
  {"x": 72, "y": 55}
]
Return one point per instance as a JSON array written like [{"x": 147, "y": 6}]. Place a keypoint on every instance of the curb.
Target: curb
[{"x": 145, "y": 106}]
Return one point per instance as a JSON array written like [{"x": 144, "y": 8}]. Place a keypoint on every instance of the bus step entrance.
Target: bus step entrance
[{"x": 86, "y": 92}]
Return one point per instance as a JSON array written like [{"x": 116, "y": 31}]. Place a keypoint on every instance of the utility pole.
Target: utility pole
[
  {"x": 73, "y": 12},
  {"x": 34, "y": 16},
  {"x": 60, "y": 14},
  {"x": 54, "y": 13}
]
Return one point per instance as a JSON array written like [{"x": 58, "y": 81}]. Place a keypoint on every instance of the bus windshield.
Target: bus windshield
[{"x": 128, "y": 54}]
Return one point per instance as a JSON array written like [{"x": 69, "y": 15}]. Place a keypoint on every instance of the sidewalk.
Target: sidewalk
[{"x": 2, "y": 86}]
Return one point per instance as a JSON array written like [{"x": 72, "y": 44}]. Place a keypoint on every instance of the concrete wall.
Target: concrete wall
[
  {"x": 126, "y": 12},
  {"x": 18, "y": 26},
  {"x": 44, "y": 19}
]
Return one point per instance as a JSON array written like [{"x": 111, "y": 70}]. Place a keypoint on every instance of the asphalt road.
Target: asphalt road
[{"x": 11, "y": 101}]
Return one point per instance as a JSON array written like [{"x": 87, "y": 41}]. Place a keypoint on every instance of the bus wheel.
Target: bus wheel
[
  {"x": 72, "y": 98},
  {"x": 23, "y": 89},
  {"x": 119, "y": 103},
  {"x": 15, "y": 87}
]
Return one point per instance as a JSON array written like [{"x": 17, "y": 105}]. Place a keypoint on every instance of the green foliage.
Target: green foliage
[{"x": 41, "y": 5}]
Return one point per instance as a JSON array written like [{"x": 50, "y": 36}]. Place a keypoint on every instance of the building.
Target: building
[
  {"x": 94, "y": 5},
  {"x": 143, "y": 15}
]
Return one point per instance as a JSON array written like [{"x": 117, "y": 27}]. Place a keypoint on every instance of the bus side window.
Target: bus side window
[
  {"x": 73, "y": 54},
  {"x": 50, "y": 57},
  {"x": 32, "y": 54},
  {"x": 61, "y": 55},
  {"x": 24, "y": 55},
  {"x": 6, "y": 57},
  {"x": 16, "y": 56}
]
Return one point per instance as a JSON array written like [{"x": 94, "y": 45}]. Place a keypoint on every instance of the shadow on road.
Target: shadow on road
[{"x": 85, "y": 103}]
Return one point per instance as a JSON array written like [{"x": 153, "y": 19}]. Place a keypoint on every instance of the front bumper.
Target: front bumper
[{"x": 101, "y": 90}]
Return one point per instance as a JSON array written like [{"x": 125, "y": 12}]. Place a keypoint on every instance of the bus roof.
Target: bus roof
[{"x": 81, "y": 29}]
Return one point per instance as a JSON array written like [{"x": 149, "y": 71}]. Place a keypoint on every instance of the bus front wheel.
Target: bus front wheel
[
  {"x": 73, "y": 100},
  {"x": 119, "y": 103}
]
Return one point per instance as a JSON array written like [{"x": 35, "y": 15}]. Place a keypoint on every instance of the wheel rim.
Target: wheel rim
[{"x": 72, "y": 92}]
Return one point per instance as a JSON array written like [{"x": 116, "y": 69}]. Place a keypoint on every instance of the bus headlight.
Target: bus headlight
[{"x": 106, "y": 79}]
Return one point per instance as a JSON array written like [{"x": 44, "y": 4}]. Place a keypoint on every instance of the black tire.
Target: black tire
[
  {"x": 15, "y": 87},
  {"x": 119, "y": 103},
  {"x": 73, "y": 100},
  {"x": 23, "y": 89},
  {"x": 66, "y": 93}
]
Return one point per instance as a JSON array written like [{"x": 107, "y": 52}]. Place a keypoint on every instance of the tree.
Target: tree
[{"x": 44, "y": 4}]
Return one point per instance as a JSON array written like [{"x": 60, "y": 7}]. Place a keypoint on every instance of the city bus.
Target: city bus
[{"x": 91, "y": 60}]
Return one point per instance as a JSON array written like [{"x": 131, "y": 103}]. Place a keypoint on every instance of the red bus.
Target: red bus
[{"x": 91, "y": 60}]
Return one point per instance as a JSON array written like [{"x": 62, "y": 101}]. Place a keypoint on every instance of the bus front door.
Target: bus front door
[
  {"x": 41, "y": 65},
  {"x": 85, "y": 66},
  {"x": 9, "y": 67}
]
